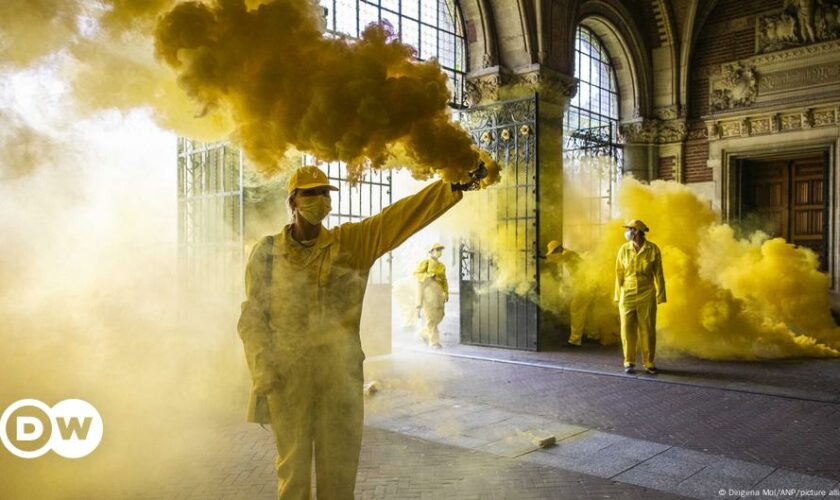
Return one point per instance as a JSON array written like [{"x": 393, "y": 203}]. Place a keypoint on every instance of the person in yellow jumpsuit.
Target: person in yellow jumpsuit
[
  {"x": 639, "y": 287},
  {"x": 567, "y": 263},
  {"x": 300, "y": 327},
  {"x": 433, "y": 293}
]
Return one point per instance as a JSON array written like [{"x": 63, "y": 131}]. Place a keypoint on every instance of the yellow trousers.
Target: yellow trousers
[
  {"x": 578, "y": 310},
  {"x": 638, "y": 325},
  {"x": 433, "y": 305},
  {"x": 318, "y": 409}
]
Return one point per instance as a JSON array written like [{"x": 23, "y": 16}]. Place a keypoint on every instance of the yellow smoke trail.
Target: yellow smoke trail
[
  {"x": 285, "y": 84},
  {"x": 727, "y": 298}
]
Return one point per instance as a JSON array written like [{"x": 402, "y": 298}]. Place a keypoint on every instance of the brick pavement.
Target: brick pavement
[
  {"x": 794, "y": 434},
  {"x": 392, "y": 466},
  {"x": 626, "y": 437}
]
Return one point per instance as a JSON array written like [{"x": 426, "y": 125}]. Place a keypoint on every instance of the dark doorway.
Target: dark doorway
[{"x": 788, "y": 198}]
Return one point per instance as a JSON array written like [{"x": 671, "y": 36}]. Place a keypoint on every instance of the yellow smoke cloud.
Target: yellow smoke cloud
[
  {"x": 285, "y": 84},
  {"x": 728, "y": 298}
]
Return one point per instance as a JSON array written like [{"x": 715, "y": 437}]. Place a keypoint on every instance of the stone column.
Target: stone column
[{"x": 554, "y": 90}]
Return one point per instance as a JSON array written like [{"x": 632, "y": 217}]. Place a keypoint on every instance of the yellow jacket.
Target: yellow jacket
[
  {"x": 315, "y": 296},
  {"x": 638, "y": 275},
  {"x": 567, "y": 259},
  {"x": 431, "y": 268}
]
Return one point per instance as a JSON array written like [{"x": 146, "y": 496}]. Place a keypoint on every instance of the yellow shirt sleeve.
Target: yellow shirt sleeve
[
  {"x": 421, "y": 271},
  {"x": 619, "y": 275},
  {"x": 659, "y": 278},
  {"x": 369, "y": 239}
]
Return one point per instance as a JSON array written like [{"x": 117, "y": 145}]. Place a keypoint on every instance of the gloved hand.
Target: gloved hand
[{"x": 475, "y": 179}]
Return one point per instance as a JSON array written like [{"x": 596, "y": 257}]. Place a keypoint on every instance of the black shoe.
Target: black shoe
[
  {"x": 652, "y": 370},
  {"x": 569, "y": 344},
  {"x": 629, "y": 370}
]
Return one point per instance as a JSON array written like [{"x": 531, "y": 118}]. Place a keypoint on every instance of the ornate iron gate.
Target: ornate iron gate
[{"x": 491, "y": 314}]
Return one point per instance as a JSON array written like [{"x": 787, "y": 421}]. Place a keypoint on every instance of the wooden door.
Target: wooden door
[
  {"x": 787, "y": 198},
  {"x": 809, "y": 206}
]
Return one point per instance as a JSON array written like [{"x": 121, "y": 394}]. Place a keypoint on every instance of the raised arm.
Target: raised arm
[{"x": 371, "y": 238}]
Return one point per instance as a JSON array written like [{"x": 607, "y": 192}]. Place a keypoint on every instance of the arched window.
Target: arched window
[
  {"x": 591, "y": 153},
  {"x": 433, "y": 27}
]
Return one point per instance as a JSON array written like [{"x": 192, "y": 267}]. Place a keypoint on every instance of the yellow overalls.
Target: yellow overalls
[
  {"x": 639, "y": 287},
  {"x": 434, "y": 292},
  {"x": 579, "y": 298},
  {"x": 311, "y": 334}
]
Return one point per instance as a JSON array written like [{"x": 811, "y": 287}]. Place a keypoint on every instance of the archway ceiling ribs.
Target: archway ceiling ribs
[{"x": 664, "y": 18}]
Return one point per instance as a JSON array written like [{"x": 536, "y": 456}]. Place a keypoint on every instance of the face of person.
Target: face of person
[
  {"x": 436, "y": 253},
  {"x": 313, "y": 205}
]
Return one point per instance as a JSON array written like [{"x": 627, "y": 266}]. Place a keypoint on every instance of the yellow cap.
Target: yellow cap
[
  {"x": 552, "y": 246},
  {"x": 637, "y": 225},
  {"x": 436, "y": 246},
  {"x": 309, "y": 177}
]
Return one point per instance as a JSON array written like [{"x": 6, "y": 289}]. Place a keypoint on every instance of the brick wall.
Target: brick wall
[
  {"x": 667, "y": 165},
  {"x": 728, "y": 35},
  {"x": 696, "y": 154}
]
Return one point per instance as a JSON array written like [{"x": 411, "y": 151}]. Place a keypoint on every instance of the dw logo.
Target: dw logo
[{"x": 72, "y": 428}]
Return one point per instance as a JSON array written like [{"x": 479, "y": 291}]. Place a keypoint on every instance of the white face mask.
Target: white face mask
[
  {"x": 628, "y": 235},
  {"x": 314, "y": 209}
]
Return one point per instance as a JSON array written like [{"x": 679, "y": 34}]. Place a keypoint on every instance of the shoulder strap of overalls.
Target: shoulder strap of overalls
[{"x": 269, "y": 269}]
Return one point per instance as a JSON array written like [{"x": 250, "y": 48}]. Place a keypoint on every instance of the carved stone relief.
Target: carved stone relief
[
  {"x": 482, "y": 89},
  {"x": 553, "y": 85},
  {"x": 653, "y": 131},
  {"x": 639, "y": 132},
  {"x": 669, "y": 112},
  {"x": 769, "y": 124},
  {"x": 736, "y": 87},
  {"x": 760, "y": 126},
  {"x": 800, "y": 22}
]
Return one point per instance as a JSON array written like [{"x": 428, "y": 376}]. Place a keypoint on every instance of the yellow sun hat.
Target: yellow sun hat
[
  {"x": 309, "y": 177},
  {"x": 552, "y": 246},
  {"x": 637, "y": 225}
]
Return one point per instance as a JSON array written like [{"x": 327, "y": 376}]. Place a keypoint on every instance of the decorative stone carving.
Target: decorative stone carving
[
  {"x": 791, "y": 122},
  {"x": 760, "y": 126},
  {"x": 553, "y": 85},
  {"x": 713, "y": 131},
  {"x": 669, "y": 112},
  {"x": 730, "y": 129},
  {"x": 800, "y": 22},
  {"x": 695, "y": 134},
  {"x": 671, "y": 131},
  {"x": 487, "y": 60},
  {"x": 639, "y": 132},
  {"x": 482, "y": 89},
  {"x": 735, "y": 88},
  {"x": 824, "y": 117},
  {"x": 807, "y": 118},
  {"x": 652, "y": 131}
]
